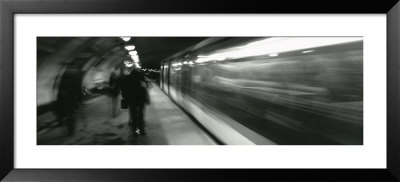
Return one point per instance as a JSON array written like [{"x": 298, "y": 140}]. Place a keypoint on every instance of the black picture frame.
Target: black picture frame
[{"x": 8, "y": 8}]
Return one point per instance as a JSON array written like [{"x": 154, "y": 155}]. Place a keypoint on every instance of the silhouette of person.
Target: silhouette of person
[
  {"x": 114, "y": 91},
  {"x": 134, "y": 90},
  {"x": 69, "y": 98}
]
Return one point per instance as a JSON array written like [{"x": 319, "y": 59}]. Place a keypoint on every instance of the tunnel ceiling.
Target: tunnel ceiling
[{"x": 151, "y": 50}]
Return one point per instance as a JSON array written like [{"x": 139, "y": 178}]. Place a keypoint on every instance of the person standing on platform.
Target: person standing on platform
[
  {"x": 69, "y": 99},
  {"x": 134, "y": 90},
  {"x": 114, "y": 91}
]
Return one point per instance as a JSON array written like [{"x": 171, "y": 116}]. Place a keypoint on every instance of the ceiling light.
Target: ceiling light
[
  {"x": 128, "y": 63},
  {"x": 126, "y": 39},
  {"x": 133, "y": 52},
  {"x": 130, "y": 48}
]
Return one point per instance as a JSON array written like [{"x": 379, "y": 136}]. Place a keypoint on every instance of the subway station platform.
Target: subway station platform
[{"x": 166, "y": 124}]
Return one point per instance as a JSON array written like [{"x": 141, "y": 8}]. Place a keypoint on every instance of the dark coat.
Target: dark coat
[
  {"x": 134, "y": 88},
  {"x": 114, "y": 79},
  {"x": 69, "y": 93}
]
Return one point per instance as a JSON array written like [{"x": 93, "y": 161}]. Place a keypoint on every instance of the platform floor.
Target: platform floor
[{"x": 166, "y": 124}]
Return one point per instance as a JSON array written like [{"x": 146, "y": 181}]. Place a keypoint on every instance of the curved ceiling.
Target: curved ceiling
[
  {"x": 89, "y": 55},
  {"x": 151, "y": 50}
]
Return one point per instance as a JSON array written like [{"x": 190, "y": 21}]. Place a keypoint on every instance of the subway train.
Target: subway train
[{"x": 271, "y": 90}]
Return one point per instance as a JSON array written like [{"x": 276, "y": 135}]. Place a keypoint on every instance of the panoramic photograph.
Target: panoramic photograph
[{"x": 199, "y": 90}]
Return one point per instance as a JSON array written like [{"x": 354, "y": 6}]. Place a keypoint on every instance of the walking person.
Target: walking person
[
  {"x": 134, "y": 90},
  {"x": 69, "y": 99},
  {"x": 114, "y": 91}
]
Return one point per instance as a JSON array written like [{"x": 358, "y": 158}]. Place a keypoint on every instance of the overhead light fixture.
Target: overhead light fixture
[
  {"x": 135, "y": 57},
  {"x": 130, "y": 47},
  {"x": 128, "y": 63},
  {"x": 126, "y": 39},
  {"x": 133, "y": 52}
]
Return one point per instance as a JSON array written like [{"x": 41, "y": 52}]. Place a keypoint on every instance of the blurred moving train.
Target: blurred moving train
[{"x": 272, "y": 90}]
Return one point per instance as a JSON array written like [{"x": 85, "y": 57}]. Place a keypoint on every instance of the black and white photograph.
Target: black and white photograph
[
  {"x": 279, "y": 90},
  {"x": 127, "y": 90}
]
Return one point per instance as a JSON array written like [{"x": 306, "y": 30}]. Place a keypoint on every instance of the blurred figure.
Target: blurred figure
[
  {"x": 114, "y": 91},
  {"x": 134, "y": 90},
  {"x": 69, "y": 99}
]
